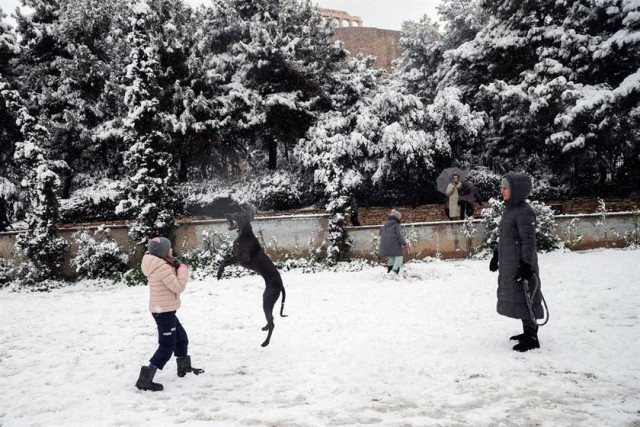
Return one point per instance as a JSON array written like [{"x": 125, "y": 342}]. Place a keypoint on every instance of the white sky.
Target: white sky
[{"x": 387, "y": 14}]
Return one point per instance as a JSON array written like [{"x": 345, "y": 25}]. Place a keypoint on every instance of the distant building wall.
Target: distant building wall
[
  {"x": 383, "y": 44},
  {"x": 295, "y": 235},
  {"x": 341, "y": 18}
]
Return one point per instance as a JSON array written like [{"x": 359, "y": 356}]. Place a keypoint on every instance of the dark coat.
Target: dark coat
[
  {"x": 517, "y": 243},
  {"x": 472, "y": 197},
  {"x": 4, "y": 220},
  {"x": 391, "y": 239}
]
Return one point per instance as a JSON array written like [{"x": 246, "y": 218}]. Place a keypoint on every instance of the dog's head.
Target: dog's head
[{"x": 238, "y": 221}]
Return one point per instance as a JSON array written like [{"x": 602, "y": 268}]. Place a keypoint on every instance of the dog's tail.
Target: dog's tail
[{"x": 284, "y": 297}]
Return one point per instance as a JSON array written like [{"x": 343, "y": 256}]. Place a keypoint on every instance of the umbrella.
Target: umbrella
[{"x": 445, "y": 178}]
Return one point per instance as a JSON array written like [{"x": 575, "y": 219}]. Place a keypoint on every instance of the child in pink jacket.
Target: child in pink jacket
[{"x": 167, "y": 278}]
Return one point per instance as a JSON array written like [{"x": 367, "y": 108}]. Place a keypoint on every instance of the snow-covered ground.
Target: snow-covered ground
[{"x": 357, "y": 349}]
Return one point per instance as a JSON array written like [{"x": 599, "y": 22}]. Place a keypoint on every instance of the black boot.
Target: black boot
[
  {"x": 145, "y": 381},
  {"x": 529, "y": 342},
  {"x": 530, "y": 328},
  {"x": 184, "y": 366},
  {"x": 389, "y": 268}
]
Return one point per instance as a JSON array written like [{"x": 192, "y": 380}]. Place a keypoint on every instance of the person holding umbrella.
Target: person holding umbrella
[
  {"x": 516, "y": 261},
  {"x": 453, "y": 197},
  {"x": 448, "y": 183}
]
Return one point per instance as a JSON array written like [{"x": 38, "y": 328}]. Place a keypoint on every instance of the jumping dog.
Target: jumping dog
[{"x": 248, "y": 253}]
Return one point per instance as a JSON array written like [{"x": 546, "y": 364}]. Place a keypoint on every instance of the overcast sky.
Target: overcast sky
[{"x": 388, "y": 14}]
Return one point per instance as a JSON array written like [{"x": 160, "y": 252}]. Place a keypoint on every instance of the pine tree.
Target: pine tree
[
  {"x": 425, "y": 64},
  {"x": 61, "y": 74},
  {"x": 545, "y": 74},
  {"x": 151, "y": 179},
  {"x": 39, "y": 248},
  {"x": 283, "y": 55},
  {"x": 335, "y": 161},
  {"x": 10, "y": 101}
]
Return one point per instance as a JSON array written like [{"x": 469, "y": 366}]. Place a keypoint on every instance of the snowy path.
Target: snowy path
[{"x": 357, "y": 349}]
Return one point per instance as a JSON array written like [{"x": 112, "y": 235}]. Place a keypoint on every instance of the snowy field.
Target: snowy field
[{"x": 357, "y": 349}]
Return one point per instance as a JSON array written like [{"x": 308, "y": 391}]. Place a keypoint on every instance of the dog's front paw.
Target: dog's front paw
[{"x": 219, "y": 275}]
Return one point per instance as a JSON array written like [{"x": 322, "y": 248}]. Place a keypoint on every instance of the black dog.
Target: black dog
[{"x": 249, "y": 254}]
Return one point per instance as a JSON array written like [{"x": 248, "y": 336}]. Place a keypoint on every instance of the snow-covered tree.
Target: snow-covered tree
[
  {"x": 424, "y": 65},
  {"x": 151, "y": 179},
  {"x": 61, "y": 72},
  {"x": 10, "y": 101},
  {"x": 39, "y": 247},
  {"x": 559, "y": 81},
  {"x": 329, "y": 152},
  {"x": 281, "y": 59}
]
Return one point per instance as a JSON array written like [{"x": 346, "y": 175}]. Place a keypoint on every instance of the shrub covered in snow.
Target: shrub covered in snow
[
  {"x": 546, "y": 238},
  {"x": 6, "y": 271},
  {"x": 278, "y": 190},
  {"x": 205, "y": 260},
  {"x": 135, "y": 276},
  {"x": 573, "y": 239},
  {"x": 98, "y": 256},
  {"x": 632, "y": 237},
  {"x": 491, "y": 216},
  {"x": 42, "y": 256},
  {"x": 97, "y": 202}
]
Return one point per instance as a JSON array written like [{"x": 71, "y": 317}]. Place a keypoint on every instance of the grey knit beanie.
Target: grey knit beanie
[
  {"x": 506, "y": 184},
  {"x": 159, "y": 246}
]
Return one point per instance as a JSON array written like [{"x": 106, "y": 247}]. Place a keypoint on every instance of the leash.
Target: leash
[{"x": 529, "y": 297}]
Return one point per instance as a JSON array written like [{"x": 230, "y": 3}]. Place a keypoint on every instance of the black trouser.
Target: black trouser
[
  {"x": 466, "y": 209},
  {"x": 172, "y": 338},
  {"x": 530, "y": 327},
  {"x": 354, "y": 219}
]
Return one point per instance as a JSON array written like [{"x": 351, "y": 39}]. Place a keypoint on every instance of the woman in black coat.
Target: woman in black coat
[{"x": 517, "y": 260}]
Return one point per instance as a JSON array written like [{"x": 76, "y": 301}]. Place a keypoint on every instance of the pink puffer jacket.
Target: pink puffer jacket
[{"x": 165, "y": 283}]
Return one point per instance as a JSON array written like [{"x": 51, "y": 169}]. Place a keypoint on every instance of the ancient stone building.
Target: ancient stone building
[
  {"x": 341, "y": 18},
  {"x": 383, "y": 44}
]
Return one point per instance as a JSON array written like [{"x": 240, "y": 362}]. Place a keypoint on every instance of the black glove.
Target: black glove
[
  {"x": 176, "y": 262},
  {"x": 493, "y": 264},
  {"x": 524, "y": 272}
]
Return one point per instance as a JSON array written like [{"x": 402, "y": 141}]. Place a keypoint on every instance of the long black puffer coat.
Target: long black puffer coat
[{"x": 517, "y": 243}]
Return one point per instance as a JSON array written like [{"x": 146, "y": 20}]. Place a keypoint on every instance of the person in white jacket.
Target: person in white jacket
[{"x": 167, "y": 278}]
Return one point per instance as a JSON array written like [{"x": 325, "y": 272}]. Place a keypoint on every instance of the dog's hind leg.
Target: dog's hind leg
[{"x": 269, "y": 298}]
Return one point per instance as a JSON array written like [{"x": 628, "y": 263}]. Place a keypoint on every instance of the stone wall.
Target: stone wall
[
  {"x": 447, "y": 240},
  {"x": 295, "y": 235},
  {"x": 383, "y": 44},
  {"x": 435, "y": 212}
]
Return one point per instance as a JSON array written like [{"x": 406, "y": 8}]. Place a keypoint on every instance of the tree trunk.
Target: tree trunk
[{"x": 272, "y": 147}]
